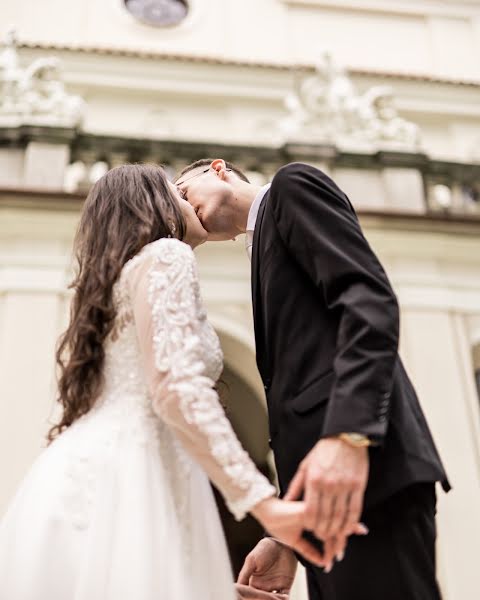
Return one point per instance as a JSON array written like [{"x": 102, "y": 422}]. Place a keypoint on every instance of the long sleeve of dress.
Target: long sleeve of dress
[{"x": 170, "y": 322}]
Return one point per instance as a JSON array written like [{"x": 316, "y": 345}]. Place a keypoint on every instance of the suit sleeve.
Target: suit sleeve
[{"x": 320, "y": 229}]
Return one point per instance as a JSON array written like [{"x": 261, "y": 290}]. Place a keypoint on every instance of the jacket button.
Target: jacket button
[{"x": 386, "y": 395}]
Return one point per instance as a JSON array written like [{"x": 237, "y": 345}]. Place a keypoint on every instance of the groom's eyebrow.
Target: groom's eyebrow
[
  {"x": 190, "y": 175},
  {"x": 184, "y": 178}
]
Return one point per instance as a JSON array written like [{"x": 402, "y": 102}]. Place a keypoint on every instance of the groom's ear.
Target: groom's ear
[{"x": 219, "y": 166}]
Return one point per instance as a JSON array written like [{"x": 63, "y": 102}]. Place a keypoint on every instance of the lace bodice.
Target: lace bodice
[{"x": 162, "y": 360}]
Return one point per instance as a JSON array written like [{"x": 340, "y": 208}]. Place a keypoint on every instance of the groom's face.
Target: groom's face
[{"x": 213, "y": 199}]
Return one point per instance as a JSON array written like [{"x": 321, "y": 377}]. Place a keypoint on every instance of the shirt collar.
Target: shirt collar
[{"x": 253, "y": 213}]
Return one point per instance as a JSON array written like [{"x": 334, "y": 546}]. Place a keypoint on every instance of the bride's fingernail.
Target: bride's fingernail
[
  {"x": 340, "y": 556},
  {"x": 363, "y": 529},
  {"x": 328, "y": 567}
]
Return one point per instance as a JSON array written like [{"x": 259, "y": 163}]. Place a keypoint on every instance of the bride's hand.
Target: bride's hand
[{"x": 284, "y": 521}]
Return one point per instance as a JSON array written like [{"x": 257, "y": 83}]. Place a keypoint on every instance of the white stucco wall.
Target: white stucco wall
[
  {"x": 395, "y": 35},
  {"x": 435, "y": 273}
]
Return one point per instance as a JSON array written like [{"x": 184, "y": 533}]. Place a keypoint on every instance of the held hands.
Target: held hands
[
  {"x": 332, "y": 479},
  {"x": 284, "y": 520}
]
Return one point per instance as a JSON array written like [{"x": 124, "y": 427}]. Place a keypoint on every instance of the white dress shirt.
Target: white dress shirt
[{"x": 252, "y": 218}]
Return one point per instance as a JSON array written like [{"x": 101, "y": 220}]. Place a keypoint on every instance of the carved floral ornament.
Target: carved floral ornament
[
  {"x": 321, "y": 108},
  {"x": 326, "y": 108},
  {"x": 35, "y": 95}
]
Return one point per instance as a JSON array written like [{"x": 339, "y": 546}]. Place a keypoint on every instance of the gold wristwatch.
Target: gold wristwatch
[{"x": 357, "y": 440}]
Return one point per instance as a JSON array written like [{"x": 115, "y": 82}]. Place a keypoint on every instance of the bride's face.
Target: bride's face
[{"x": 195, "y": 232}]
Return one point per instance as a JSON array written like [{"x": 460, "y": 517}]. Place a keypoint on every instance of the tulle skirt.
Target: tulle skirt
[{"x": 104, "y": 515}]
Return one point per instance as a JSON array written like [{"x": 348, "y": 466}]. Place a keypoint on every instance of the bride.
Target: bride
[{"x": 119, "y": 505}]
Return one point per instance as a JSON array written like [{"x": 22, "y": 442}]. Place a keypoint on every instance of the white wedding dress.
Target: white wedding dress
[{"x": 119, "y": 506}]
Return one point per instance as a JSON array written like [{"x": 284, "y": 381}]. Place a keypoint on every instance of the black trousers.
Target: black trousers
[{"x": 395, "y": 561}]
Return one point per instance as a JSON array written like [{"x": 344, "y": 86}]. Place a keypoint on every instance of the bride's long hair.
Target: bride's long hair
[{"x": 129, "y": 207}]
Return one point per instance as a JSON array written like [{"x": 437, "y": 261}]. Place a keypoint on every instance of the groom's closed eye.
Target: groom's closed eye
[{"x": 184, "y": 196}]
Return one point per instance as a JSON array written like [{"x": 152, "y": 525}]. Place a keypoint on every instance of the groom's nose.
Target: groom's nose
[
  {"x": 193, "y": 200},
  {"x": 183, "y": 192}
]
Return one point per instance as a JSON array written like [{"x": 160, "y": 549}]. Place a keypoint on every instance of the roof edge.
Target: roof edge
[{"x": 215, "y": 60}]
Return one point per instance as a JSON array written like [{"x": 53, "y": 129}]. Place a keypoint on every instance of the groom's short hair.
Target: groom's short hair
[{"x": 205, "y": 162}]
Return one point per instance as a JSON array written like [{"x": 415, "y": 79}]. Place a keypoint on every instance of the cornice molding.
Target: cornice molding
[{"x": 121, "y": 52}]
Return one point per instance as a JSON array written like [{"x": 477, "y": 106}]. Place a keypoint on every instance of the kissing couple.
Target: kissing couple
[{"x": 119, "y": 505}]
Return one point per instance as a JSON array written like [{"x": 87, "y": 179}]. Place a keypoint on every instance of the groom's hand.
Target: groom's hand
[
  {"x": 332, "y": 478},
  {"x": 270, "y": 567}
]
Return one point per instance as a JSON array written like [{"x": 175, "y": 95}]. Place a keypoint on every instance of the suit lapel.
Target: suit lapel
[{"x": 255, "y": 275}]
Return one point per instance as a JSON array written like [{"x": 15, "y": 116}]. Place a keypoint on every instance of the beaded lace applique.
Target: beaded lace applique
[{"x": 179, "y": 324}]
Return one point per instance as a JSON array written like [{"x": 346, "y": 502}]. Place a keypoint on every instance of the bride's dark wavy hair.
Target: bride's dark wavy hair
[{"x": 129, "y": 207}]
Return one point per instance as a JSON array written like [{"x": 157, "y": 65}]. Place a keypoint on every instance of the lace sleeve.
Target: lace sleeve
[{"x": 168, "y": 316}]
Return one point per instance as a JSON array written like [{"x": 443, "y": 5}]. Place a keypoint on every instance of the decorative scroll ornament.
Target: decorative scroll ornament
[
  {"x": 326, "y": 108},
  {"x": 35, "y": 95}
]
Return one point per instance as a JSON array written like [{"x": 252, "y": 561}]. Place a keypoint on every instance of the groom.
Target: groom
[{"x": 346, "y": 427}]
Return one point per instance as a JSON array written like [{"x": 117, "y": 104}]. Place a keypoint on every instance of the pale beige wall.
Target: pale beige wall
[
  {"x": 443, "y": 37},
  {"x": 437, "y": 278},
  {"x": 34, "y": 255}
]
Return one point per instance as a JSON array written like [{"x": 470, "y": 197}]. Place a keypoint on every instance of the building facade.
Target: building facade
[{"x": 384, "y": 96}]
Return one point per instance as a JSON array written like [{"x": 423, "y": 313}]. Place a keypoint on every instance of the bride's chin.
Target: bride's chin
[
  {"x": 203, "y": 237},
  {"x": 202, "y": 232},
  {"x": 196, "y": 238}
]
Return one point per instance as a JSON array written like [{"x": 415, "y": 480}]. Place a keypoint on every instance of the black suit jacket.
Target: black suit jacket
[{"x": 326, "y": 328}]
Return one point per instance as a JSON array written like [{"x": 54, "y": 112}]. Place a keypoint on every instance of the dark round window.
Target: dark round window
[{"x": 159, "y": 13}]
